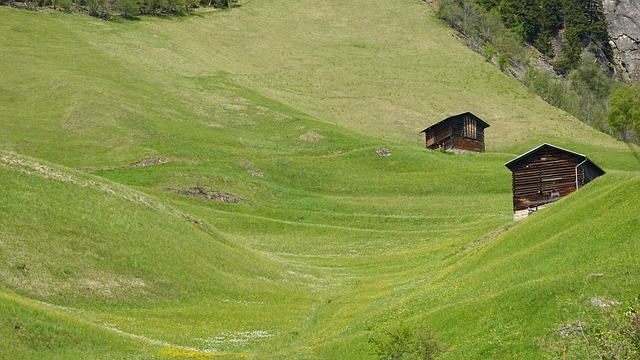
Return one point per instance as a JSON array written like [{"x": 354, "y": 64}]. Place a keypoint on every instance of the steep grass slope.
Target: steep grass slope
[
  {"x": 279, "y": 107},
  {"x": 74, "y": 240},
  {"x": 108, "y": 92},
  {"x": 542, "y": 274}
]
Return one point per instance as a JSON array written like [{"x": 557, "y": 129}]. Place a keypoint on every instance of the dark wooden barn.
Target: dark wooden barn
[
  {"x": 462, "y": 132},
  {"x": 546, "y": 174}
]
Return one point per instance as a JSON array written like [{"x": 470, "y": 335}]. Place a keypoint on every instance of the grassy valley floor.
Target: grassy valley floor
[{"x": 208, "y": 186}]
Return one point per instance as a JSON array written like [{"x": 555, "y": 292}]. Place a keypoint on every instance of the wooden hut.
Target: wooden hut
[
  {"x": 462, "y": 132},
  {"x": 546, "y": 174}
]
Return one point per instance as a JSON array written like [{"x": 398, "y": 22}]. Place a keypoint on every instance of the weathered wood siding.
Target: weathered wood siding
[
  {"x": 543, "y": 180},
  {"x": 547, "y": 175},
  {"x": 466, "y": 144},
  {"x": 437, "y": 136},
  {"x": 463, "y": 132}
]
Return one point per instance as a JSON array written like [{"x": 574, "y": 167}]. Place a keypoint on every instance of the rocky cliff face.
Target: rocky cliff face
[{"x": 623, "y": 17}]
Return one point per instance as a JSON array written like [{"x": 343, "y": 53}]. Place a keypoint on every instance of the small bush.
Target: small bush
[
  {"x": 405, "y": 342},
  {"x": 488, "y": 51},
  {"x": 503, "y": 62}
]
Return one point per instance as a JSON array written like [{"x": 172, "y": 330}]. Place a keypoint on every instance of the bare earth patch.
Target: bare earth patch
[
  {"x": 575, "y": 328},
  {"x": 35, "y": 168},
  {"x": 383, "y": 152},
  {"x": 142, "y": 163},
  {"x": 311, "y": 136},
  {"x": 200, "y": 192}
]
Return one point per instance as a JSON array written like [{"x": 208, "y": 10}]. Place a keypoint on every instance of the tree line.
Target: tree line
[
  {"x": 572, "y": 36},
  {"x": 540, "y": 22},
  {"x": 106, "y": 9}
]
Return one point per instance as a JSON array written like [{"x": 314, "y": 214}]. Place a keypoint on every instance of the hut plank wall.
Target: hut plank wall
[
  {"x": 463, "y": 132},
  {"x": 547, "y": 174}
]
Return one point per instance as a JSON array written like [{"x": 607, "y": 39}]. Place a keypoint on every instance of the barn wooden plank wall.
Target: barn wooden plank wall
[
  {"x": 467, "y": 127},
  {"x": 547, "y": 174},
  {"x": 459, "y": 132},
  {"x": 544, "y": 179}
]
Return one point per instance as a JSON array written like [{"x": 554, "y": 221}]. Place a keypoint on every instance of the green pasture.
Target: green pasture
[{"x": 282, "y": 106}]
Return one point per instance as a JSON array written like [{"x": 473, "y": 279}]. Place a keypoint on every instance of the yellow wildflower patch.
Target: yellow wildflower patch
[{"x": 177, "y": 352}]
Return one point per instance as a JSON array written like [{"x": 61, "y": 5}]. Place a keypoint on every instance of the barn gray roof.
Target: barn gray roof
[
  {"x": 480, "y": 122},
  {"x": 518, "y": 159}
]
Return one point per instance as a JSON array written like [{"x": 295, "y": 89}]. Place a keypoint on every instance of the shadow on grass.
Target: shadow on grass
[
  {"x": 201, "y": 11},
  {"x": 124, "y": 19},
  {"x": 195, "y": 12}
]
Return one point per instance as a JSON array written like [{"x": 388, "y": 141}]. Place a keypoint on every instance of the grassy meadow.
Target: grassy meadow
[{"x": 280, "y": 106}]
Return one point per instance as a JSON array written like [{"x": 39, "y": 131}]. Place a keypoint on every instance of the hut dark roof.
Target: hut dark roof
[
  {"x": 479, "y": 121},
  {"x": 522, "y": 158}
]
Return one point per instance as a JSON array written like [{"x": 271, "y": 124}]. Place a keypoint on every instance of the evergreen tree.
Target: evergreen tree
[
  {"x": 488, "y": 4},
  {"x": 543, "y": 43},
  {"x": 521, "y": 15},
  {"x": 571, "y": 52},
  {"x": 598, "y": 32},
  {"x": 551, "y": 20},
  {"x": 574, "y": 16}
]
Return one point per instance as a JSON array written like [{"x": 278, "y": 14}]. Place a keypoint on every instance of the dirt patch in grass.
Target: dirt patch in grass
[
  {"x": 575, "y": 328},
  {"x": 383, "y": 152},
  {"x": 204, "y": 193},
  {"x": 142, "y": 163},
  {"x": 34, "y": 168},
  {"x": 311, "y": 136},
  {"x": 256, "y": 174}
]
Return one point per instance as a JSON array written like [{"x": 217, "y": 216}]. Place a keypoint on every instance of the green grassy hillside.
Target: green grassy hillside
[{"x": 109, "y": 129}]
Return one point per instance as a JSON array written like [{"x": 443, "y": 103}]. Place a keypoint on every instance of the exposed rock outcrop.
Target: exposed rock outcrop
[{"x": 623, "y": 17}]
